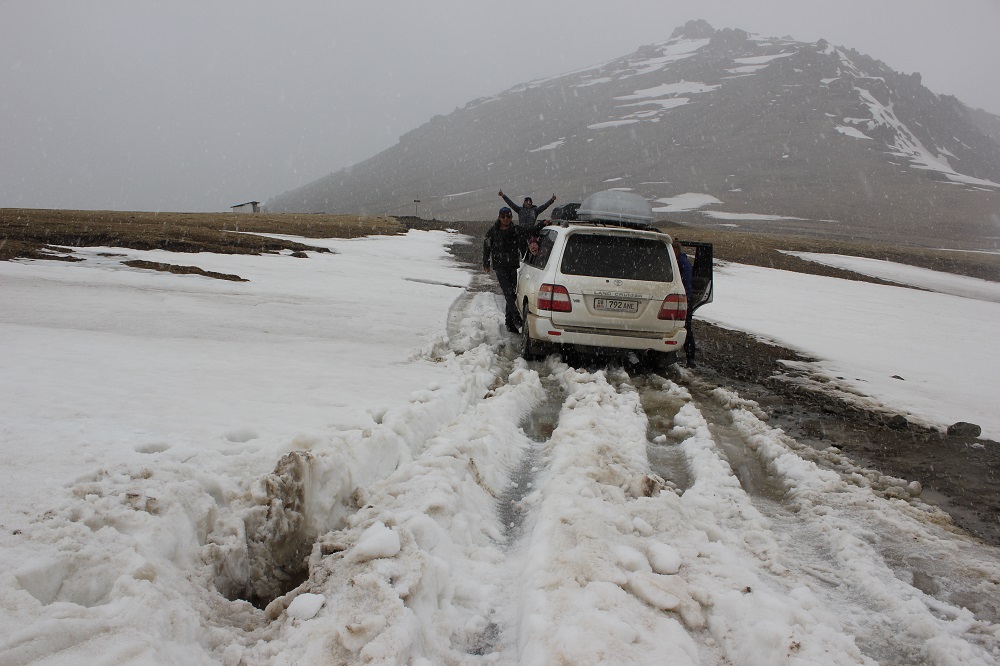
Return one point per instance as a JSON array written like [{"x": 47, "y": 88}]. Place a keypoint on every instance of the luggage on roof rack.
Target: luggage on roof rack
[
  {"x": 626, "y": 209},
  {"x": 566, "y": 212}
]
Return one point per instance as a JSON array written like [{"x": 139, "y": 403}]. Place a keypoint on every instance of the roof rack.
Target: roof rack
[{"x": 627, "y": 224}]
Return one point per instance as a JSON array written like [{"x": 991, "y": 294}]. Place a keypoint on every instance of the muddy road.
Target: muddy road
[{"x": 960, "y": 474}]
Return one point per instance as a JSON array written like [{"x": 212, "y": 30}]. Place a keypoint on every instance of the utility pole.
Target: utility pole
[{"x": 416, "y": 203}]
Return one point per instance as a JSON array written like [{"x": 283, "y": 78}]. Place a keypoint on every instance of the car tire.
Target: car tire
[{"x": 529, "y": 346}]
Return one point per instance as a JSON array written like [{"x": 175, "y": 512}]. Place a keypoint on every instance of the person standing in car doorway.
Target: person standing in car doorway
[
  {"x": 527, "y": 214},
  {"x": 687, "y": 277},
  {"x": 503, "y": 248}
]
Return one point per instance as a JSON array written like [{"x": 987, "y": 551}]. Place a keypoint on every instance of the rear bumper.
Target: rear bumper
[{"x": 543, "y": 330}]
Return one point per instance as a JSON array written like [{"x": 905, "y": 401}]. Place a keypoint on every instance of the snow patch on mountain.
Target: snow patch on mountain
[
  {"x": 592, "y": 82},
  {"x": 549, "y": 146},
  {"x": 761, "y": 60},
  {"x": 612, "y": 123},
  {"x": 746, "y": 69},
  {"x": 680, "y": 88},
  {"x": 852, "y": 131},
  {"x": 685, "y": 202},
  {"x": 907, "y": 144},
  {"x": 756, "y": 217},
  {"x": 664, "y": 104}
]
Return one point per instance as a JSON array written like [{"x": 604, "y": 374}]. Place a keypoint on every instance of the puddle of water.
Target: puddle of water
[
  {"x": 660, "y": 408},
  {"x": 668, "y": 462},
  {"x": 753, "y": 476},
  {"x": 543, "y": 420},
  {"x": 511, "y": 511},
  {"x": 538, "y": 427}
]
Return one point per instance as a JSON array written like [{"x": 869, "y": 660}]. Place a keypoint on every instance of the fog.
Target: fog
[{"x": 198, "y": 106}]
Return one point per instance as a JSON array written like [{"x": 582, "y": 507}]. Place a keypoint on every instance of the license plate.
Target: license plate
[{"x": 616, "y": 305}]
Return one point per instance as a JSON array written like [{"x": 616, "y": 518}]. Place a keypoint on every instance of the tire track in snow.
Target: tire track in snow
[
  {"x": 653, "y": 576},
  {"x": 593, "y": 587},
  {"x": 849, "y": 538},
  {"x": 499, "y": 640},
  {"x": 800, "y": 564},
  {"x": 882, "y": 546},
  {"x": 732, "y": 561},
  {"x": 538, "y": 427},
  {"x": 416, "y": 572}
]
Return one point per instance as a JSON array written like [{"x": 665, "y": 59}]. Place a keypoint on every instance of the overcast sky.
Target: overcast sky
[{"x": 197, "y": 105}]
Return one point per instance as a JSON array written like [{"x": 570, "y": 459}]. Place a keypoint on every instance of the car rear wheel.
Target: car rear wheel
[{"x": 529, "y": 346}]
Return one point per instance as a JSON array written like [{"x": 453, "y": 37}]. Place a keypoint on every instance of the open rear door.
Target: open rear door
[{"x": 701, "y": 281}]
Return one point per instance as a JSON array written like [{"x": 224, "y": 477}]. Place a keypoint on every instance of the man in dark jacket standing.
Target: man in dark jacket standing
[
  {"x": 502, "y": 250},
  {"x": 527, "y": 214}
]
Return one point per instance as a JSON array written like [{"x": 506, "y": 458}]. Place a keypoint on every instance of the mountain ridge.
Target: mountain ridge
[{"x": 714, "y": 127}]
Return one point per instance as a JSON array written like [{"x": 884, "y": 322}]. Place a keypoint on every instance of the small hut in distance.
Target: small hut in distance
[{"x": 248, "y": 207}]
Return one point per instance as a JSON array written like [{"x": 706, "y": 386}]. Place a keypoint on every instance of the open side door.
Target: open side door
[{"x": 701, "y": 281}]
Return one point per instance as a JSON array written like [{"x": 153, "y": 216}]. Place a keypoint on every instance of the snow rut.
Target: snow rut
[
  {"x": 409, "y": 559},
  {"x": 593, "y": 585},
  {"x": 849, "y": 545}
]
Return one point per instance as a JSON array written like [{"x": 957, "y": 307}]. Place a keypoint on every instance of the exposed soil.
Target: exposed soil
[
  {"x": 959, "y": 474},
  {"x": 183, "y": 270}
]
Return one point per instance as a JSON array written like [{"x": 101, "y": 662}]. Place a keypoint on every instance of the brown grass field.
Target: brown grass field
[{"x": 52, "y": 234}]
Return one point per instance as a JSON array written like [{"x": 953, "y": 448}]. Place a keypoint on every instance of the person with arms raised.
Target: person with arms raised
[{"x": 527, "y": 214}]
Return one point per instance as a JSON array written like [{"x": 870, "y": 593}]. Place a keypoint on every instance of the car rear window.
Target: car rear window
[{"x": 622, "y": 257}]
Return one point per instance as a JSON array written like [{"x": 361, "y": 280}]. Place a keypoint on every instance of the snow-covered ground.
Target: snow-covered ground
[
  {"x": 173, "y": 445},
  {"x": 925, "y": 354},
  {"x": 946, "y": 283}
]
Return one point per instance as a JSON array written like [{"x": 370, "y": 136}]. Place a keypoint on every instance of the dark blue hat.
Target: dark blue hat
[{"x": 506, "y": 210}]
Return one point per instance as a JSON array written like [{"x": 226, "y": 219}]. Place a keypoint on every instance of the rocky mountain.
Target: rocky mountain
[{"x": 714, "y": 127}]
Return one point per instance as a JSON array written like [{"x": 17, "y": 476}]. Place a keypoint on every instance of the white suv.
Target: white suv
[{"x": 605, "y": 280}]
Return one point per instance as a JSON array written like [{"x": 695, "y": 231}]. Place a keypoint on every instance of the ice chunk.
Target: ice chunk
[
  {"x": 377, "y": 541},
  {"x": 305, "y": 606},
  {"x": 667, "y": 593},
  {"x": 664, "y": 559},
  {"x": 630, "y": 559}
]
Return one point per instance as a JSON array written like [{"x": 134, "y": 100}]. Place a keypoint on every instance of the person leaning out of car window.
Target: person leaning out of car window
[
  {"x": 527, "y": 214},
  {"x": 503, "y": 248},
  {"x": 687, "y": 277}
]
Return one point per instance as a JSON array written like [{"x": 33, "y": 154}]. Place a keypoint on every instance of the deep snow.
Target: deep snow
[{"x": 172, "y": 443}]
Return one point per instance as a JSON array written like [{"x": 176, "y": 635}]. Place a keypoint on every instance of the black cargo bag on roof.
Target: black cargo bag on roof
[{"x": 567, "y": 212}]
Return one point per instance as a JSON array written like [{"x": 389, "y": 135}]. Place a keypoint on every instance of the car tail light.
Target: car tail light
[
  {"x": 674, "y": 308},
  {"x": 554, "y": 297}
]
